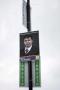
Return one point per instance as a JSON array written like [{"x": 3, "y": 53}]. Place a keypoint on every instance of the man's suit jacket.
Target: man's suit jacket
[{"x": 34, "y": 51}]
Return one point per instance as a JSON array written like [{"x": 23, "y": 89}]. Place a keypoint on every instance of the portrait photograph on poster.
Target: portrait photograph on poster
[{"x": 29, "y": 45}]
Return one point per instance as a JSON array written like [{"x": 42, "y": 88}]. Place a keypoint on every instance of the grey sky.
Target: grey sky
[{"x": 45, "y": 17}]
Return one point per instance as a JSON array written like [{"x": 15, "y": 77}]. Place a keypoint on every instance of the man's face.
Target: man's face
[{"x": 28, "y": 41}]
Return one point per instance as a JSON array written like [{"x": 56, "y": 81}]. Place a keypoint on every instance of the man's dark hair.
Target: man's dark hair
[{"x": 27, "y": 36}]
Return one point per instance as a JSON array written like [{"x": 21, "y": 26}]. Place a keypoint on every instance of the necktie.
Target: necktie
[{"x": 26, "y": 51}]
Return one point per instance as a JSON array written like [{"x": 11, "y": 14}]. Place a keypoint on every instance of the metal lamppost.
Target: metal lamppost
[{"x": 29, "y": 29}]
